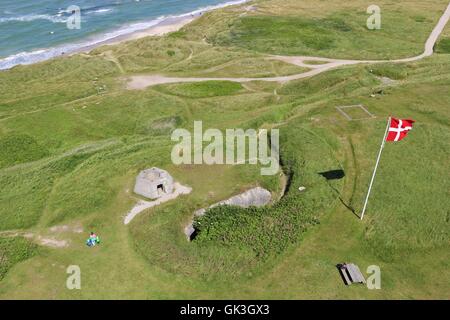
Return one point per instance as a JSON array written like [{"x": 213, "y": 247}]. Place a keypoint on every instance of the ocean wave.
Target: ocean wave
[
  {"x": 88, "y": 11},
  {"x": 99, "y": 11},
  {"x": 33, "y": 17},
  {"x": 45, "y": 54},
  {"x": 214, "y": 7},
  {"x": 24, "y": 58}
]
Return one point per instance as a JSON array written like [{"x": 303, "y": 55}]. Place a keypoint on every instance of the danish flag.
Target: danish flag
[{"x": 398, "y": 129}]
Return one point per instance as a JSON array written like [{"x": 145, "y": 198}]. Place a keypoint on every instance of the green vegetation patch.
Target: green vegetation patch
[
  {"x": 205, "y": 89},
  {"x": 180, "y": 34},
  {"x": 334, "y": 84},
  {"x": 443, "y": 46},
  {"x": 162, "y": 126},
  {"x": 14, "y": 250},
  {"x": 392, "y": 71},
  {"x": 287, "y": 35},
  {"x": 19, "y": 148}
]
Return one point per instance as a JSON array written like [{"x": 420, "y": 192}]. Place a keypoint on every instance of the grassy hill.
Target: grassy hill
[{"x": 73, "y": 139}]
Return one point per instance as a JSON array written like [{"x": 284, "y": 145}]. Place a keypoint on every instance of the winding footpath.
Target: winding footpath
[{"x": 140, "y": 82}]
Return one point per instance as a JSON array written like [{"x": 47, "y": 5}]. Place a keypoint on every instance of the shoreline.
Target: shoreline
[
  {"x": 168, "y": 25},
  {"x": 158, "y": 27}
]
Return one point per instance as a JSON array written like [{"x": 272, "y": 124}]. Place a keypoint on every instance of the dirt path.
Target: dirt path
[
  {"x": 109, "y": 56},
  {"x": 143, "y": 205},
  {"x": 51, "y": 237},
  {"x": 143, "y": 81}
]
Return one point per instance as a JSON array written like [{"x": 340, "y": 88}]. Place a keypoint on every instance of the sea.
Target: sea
[{"x": 37, "y": 30}]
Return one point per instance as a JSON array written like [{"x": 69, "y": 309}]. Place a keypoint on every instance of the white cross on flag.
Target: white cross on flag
[{"x": 398, "y": 129}]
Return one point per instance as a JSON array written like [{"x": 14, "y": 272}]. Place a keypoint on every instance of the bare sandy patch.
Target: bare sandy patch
[
  {"x": 51, "y": 242},
  {"x": 66, "y": 228}
]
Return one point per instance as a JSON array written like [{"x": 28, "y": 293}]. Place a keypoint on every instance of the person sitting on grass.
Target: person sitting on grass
[{"x": 93, "y": 240}]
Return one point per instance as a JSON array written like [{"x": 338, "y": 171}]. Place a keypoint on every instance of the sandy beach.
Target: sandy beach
[
  {"x": 160, "y": 29},
  {"x": 165, "y": 27},
  {"x": 168, "y": 25}
]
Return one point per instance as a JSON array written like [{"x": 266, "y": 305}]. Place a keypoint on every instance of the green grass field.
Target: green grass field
[{"x": 72, "y": 145}]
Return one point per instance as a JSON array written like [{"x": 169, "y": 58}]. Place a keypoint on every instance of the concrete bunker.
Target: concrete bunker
[{"x": 153, "y": 183}]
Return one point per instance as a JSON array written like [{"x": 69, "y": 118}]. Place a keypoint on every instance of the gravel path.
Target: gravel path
[{"x": 143, "y": 205}]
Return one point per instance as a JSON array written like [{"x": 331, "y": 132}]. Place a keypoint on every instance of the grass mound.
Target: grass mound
[
  {"x": 12, "y": 251},
  {"x": 269, "y": 230}
]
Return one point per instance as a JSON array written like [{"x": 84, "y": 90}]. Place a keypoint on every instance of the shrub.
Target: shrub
[
  {"x": 19, "y": 148},
  {"x": 443, "y": 46},
  {"x": 13, "y": 251}
]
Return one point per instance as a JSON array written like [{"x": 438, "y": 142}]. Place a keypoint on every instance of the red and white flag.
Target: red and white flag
[{"x": 398, "y": 129}]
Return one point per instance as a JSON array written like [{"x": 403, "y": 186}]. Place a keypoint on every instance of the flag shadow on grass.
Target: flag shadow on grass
[
  {"x": 337, "y": 175},
  {"x": 333, "y": 174}
]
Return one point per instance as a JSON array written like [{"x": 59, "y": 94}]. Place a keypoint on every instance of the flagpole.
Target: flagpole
[{"x": 376, "y": 166}]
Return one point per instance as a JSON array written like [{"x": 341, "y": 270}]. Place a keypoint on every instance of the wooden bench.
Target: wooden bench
[{"x": 350, "y": 273}]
